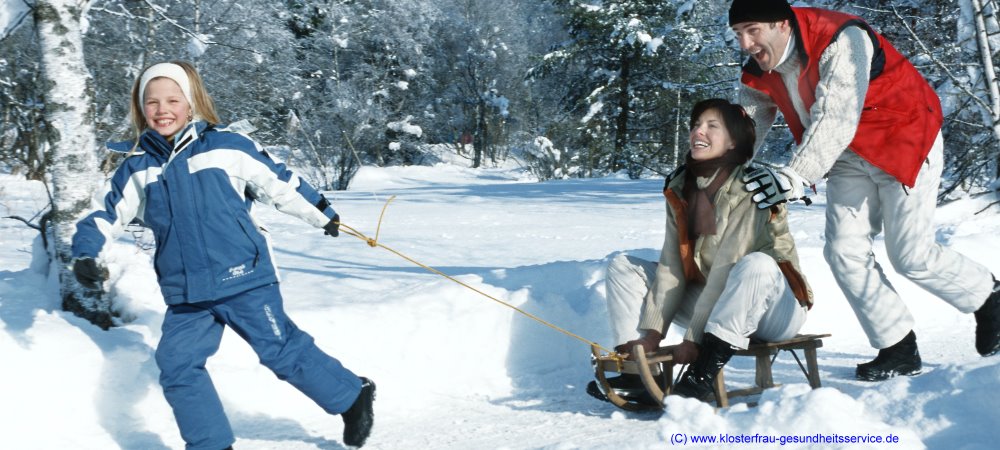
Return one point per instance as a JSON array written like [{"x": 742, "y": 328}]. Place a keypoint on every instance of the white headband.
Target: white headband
[{"x": 166, "y": 70}]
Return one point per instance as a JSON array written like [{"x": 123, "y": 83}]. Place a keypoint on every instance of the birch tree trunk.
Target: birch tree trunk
[
  {"x": 74, "y": 167},
  {"x": 989, "y": 72}
]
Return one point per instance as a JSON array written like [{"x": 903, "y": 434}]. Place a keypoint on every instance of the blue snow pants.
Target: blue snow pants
[{"x": 192, "y": 332}]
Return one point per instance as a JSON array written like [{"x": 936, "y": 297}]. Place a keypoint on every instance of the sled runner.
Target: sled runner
[{"x": 656, "y": 370}]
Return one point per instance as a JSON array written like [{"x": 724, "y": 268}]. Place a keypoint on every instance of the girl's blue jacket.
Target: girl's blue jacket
[{"x": 195, "y": 194}]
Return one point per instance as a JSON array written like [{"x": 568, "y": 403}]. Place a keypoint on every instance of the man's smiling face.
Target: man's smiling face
[{"x": 764, "y": 41}]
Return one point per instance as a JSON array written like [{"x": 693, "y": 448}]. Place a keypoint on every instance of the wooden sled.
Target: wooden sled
[{"x": 656, "y": 369}]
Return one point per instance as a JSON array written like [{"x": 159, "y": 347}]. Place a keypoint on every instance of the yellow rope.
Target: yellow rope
[{"x": 374, "y": 243}]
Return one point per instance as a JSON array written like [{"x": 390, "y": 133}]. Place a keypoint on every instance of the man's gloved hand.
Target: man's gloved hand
[
  {"x": 772, "y": 186},
  {"x": 89, "y": 274},
  {"x": 333, "y": 227}
]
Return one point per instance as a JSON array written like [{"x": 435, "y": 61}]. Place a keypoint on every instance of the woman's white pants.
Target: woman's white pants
[{"x": 757, "y": 301}]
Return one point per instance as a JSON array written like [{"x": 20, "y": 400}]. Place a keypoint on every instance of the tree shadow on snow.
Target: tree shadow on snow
[
  {"x": 271, "y": 429},
  {"x": 128, "y": 376},
  {"x": 549, "y": 369},
  {"x": 129, "y": 372},
  {"x": 342, "y": 270},
  {"x": 552, "y": 191},
  {"x": 21, "y": 301},
  {"x": 968, "y": 400}
]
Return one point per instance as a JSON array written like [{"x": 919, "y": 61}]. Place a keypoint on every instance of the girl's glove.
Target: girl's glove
[
  {"x": 89, "y": 274},
  {"x": 333, "y": 227}
]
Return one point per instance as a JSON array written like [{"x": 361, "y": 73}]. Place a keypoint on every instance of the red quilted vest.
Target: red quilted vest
[{"x": 902, "y": 114}]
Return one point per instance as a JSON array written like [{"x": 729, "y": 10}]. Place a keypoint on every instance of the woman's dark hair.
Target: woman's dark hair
[{"x": 741, "y": 128}]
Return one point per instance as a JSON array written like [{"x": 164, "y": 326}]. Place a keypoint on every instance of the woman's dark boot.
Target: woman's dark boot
[
  {"x": 699, "y": 379},
  {"x": 902, "y": 358},
  {"x": 627, "y": 386}
]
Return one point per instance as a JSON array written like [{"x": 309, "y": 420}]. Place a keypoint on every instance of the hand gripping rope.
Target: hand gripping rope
[{"x": 373, "y": 242}]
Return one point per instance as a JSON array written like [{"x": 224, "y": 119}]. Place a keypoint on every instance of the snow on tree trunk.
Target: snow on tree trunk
[
  {"x": 989, "y": 71},
  {"x": 74, "y": 168},
  {"x": 677, "y": 132}
]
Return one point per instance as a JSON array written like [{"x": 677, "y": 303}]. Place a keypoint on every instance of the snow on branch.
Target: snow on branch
[
  {"x": 198, "y": 41},
  {"x": 937, "y": 62},
  {"x": 405, "y": 126},
  {"x": 123, "y": 13},
  {"x": 13, "y": 17},
  {"x": 26, "y": 222}
]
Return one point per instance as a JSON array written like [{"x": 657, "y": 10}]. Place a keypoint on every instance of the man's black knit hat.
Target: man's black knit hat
[{"x": 759, "y": 11}]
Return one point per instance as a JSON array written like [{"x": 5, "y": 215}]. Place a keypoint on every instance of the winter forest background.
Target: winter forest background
[
  {"x": 567, "y": 88},
  {"x": 576, "y": 88}
]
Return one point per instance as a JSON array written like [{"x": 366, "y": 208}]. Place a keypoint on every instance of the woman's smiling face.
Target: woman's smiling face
[{"x": 709, "y": 138}]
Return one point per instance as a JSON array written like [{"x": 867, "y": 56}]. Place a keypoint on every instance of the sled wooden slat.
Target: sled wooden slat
[
  {"x": 656, "y": 370},
  {"x": 652, "y": 384},
  {"x": 614, "y": 398}
]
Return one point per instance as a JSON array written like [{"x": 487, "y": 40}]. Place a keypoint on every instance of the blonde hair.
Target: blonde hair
[{"x": 202, "y": 107}]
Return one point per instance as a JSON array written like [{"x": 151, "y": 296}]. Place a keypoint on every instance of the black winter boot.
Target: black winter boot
[
  {"x": 902, "y": 358},
  {"x": 359, "y": 419},
  {"x": 628, "y": 386},
  {"x": 988, "y": 323},
  {"x": 699, "y": 378}
]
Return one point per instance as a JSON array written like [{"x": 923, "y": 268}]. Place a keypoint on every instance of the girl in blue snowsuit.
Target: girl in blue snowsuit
[{"x": 193, "y": 185}]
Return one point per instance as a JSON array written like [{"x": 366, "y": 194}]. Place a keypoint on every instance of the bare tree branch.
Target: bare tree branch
[
  {"x": 988, "y": 207},
  {"x": 26, "y": 222},
  {"x": 123, "y": 13},
  {"x": 17, "y": 23},
  {"x": 197, "y": 36},
  {"x": 940, "y": 65}
]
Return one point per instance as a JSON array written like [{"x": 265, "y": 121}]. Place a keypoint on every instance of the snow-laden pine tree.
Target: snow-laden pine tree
[
  {"x": 73, "y": 170},
  {"x": 622, "y": 69},
  {"x": 22, "y": 121},
  {"x": 483, "y": 48},
  {"x": 608, "y": 64}
]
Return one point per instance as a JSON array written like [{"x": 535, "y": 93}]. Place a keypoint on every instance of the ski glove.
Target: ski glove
[
  {"x": 773, "y": 186},
  {"x": 89, "y": 274},
  {"x": 333, "y": 227}
]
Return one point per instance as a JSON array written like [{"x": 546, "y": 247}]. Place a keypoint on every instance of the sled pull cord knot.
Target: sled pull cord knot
[
  {"x": 614, "y": 356},
  {"x": 373, "y": 242}
]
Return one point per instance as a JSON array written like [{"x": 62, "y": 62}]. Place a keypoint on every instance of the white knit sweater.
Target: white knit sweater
[{"x": 832, "y": 121}]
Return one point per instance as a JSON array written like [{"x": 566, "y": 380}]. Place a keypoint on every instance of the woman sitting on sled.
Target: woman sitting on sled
[{"x": 728, "y": 271}]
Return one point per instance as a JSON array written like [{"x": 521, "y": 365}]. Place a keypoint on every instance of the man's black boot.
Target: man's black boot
[
  {"x": 988, "y": 323},
  {"x": 358, "y": 420},
  {"x": 902, "y": 358},
  {"x": 699, "y": 379}
]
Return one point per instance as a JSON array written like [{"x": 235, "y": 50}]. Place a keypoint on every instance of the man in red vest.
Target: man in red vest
[{"x": 863, "y": 117}]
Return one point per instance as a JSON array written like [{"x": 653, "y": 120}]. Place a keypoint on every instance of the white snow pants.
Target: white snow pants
[
  {"x": 861, "y": 201},
  {"x": 757, "y": 301}
]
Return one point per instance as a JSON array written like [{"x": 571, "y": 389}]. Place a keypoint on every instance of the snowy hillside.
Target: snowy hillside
[{"x": 454, "y": 369}]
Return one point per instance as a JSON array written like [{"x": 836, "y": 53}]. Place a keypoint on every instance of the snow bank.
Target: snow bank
[{"x": 456, "y": 370}]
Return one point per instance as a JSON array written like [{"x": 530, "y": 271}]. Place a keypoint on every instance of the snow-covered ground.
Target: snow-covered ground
[{"x": 454, "y": 369}]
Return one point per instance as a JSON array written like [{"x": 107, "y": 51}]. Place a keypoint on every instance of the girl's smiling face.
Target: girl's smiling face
[{"x": 165, "y": 106}]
